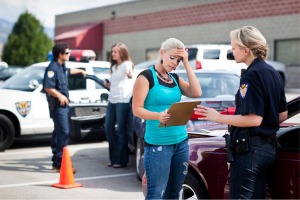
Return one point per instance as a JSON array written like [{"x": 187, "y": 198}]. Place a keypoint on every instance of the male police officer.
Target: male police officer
[{"x": 57, "y": 90}]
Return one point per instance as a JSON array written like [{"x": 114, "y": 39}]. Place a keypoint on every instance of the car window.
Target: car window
[
  {"x": 99, "y": 71},
  {"x": 290, "y": 140},
  {"x": 76, "y": 83},
  {"x": 24, "y": 79},
  {"x": 230, "y": 55},
  {"x": 102, "y": 73},
  {"x": 9, "y": 71},
  {"x": 211, "y": 54},
  {"x": 192, "y": 53},
  {"x": 214, "y": 84}
]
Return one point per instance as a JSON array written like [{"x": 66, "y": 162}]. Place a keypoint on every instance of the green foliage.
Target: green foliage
[{"x": 27, "y": 43}]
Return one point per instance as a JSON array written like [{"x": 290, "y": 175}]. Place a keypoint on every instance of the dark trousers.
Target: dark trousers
[
  {"x": 248, "y": 172},
  {"x": 60, "y": 135},
  {"x": 118, "y": 114}
]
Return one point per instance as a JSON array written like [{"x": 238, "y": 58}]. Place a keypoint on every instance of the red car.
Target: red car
[{"x": 208, "y": 173}]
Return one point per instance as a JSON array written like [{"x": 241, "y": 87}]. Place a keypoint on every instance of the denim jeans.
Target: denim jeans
[
  {"x": 118, "y": 113},
  {"x": 166, "y": 167},
  {"x": 60, "y": 135},
  {"x": 248, "y": 173}
]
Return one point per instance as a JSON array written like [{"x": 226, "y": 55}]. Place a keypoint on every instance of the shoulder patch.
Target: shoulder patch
[
  {"x": 50, "y": 74},
  {"x": 243, "y": 89}
]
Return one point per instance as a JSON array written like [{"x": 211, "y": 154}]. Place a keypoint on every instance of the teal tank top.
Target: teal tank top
[{"x": 159, "y": 99}]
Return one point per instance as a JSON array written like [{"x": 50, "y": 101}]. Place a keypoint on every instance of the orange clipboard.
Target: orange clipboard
[{"x": 180, "y": 113}]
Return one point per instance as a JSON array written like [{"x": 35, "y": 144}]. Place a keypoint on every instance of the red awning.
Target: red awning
[{"x": 84, "y": 37}]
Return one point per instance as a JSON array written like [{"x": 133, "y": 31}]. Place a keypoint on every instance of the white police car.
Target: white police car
[{"x": 24, "y": 108}]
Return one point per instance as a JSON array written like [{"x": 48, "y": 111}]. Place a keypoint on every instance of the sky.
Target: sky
[{"x": 45, "y": 10}]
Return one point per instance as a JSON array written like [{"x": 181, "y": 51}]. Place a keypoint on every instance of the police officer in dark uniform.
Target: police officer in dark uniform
[
  {"x": 57, "y": 91},
  {"x": 261, "y": 107}
]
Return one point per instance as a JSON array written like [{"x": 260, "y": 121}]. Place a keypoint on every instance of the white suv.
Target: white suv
[
  {"x": 24, "y": 108},
  {"x": 220, "y": 57}
]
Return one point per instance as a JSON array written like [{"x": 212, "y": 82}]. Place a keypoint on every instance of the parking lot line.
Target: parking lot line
[
  {"x": 77, "y": 179},
  {"x": 43, "y": 150}
]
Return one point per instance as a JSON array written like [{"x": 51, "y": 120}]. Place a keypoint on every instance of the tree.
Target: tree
[{"x": 27, "y": 43}]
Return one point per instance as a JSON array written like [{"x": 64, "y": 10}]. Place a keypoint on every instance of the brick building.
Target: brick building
[{"x": 142, "y": 25}]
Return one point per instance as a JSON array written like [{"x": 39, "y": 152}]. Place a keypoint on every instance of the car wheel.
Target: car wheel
[
  {"x": 191, "y": 189},
  {"x": 7, "y": 132},
  {"x": 139, "y": 151}
]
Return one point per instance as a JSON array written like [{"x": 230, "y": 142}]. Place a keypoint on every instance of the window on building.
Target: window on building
[{"x": 287, "y": 52}]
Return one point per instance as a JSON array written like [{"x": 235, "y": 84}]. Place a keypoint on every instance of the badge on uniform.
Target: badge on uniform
[
  {"x": 50, "y": 74},
  {"x": 243, "y": 89},
  {"x": 23, "y": 107}
]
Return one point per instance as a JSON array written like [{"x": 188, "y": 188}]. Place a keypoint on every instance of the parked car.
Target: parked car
[
  {"x": 24, "y": 108},
  {"x": 208, "y": 171},
  {"x": 218, "y": 91},
  {"x": 138, "y": 68},
  {"x": 220, "y": 57},
  {"x": 3, "y": 64},
  {"x": 7, "y": 72}
]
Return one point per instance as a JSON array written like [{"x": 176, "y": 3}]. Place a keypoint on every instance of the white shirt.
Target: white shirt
[{"x": 121, "y": 86}]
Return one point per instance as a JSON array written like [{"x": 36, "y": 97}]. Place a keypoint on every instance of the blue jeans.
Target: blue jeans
[
  {"x": 60, "y": 135},
  {"x": 166, "y": 167},
  {"x": 248, "y": 173},
  {"x": 118, "y": 113}
]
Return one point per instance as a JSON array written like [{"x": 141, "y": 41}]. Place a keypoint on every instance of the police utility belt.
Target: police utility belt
[{"x": 240, "y": 141}]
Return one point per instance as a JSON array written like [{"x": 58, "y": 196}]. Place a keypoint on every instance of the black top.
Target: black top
[
  {"x": 148, "y": 74},
  {"x": 261, "y": 93}
]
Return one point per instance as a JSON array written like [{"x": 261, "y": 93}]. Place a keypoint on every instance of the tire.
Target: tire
[
  {"x": 7, "y": 132},
  {"x": 192, "y": 189},
  {"x": 139, "y": 163}
]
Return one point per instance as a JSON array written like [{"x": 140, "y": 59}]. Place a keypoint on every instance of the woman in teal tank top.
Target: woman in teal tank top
[{"x": 166, "y": 151}]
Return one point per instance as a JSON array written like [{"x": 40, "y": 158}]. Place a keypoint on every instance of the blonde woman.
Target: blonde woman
[
  {"x": 166, "y": 149},
  {"x": 261, "y": 106}
]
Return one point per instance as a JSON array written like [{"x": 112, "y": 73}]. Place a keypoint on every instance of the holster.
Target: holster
[
  {"x": 241, "y": 140},
  {"x": 51, "y": 103},
  {"x": 228, "y": 142}
]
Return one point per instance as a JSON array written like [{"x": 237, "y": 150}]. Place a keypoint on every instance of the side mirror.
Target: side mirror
[{"x": 33, "y": 84}]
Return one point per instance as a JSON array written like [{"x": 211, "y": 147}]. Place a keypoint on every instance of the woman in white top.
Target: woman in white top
[{"x": 119, "y": 106}]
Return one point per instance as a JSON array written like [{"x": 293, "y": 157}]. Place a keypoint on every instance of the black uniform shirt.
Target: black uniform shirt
[
  {"x": 261, "y": 93},
  {"x": 56, "y": 76}
]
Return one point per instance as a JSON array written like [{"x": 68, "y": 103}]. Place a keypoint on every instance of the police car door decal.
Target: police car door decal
[{"x": 23, "y": 107}]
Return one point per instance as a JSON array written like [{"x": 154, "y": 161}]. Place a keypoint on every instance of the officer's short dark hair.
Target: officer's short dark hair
[{"x": 59, "y": 48}]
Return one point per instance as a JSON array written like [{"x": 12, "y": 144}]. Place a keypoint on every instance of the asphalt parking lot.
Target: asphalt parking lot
[{"x": 26, "y": 174}]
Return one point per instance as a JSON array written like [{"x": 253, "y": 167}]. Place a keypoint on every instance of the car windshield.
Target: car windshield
[
  {"x": 25, "y": 80},
  {"x": 216, "y": 84}
]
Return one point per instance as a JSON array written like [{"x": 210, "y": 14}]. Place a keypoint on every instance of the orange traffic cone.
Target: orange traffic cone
[{"x": 66, "y": 179}]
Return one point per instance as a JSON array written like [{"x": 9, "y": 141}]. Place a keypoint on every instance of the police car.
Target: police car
[{"x": 24, "y": 108}]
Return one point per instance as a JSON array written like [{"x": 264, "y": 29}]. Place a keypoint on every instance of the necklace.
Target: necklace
[{"x": 161, "y": 76}]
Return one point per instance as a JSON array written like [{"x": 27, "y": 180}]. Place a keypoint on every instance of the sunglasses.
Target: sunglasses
[{"x": 67, "y": 53}]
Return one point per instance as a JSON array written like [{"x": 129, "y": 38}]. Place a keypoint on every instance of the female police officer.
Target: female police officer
[
  {"x": 56, "y": 86},
  {"x": 261, "y": 106}
]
